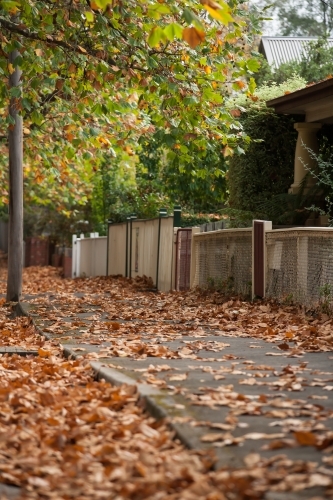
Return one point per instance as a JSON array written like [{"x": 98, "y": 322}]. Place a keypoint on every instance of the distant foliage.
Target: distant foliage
[
  {"x": 267, "y": 91},
  {"x": 304, "y": 17},
  {"x": 267, "y": 167}
]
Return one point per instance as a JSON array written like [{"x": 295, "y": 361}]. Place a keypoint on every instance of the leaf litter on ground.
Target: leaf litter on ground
[{"x": 65, "y": 435}]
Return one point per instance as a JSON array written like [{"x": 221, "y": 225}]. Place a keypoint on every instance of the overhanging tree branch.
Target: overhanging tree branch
[{"x": 50, "y": 40}]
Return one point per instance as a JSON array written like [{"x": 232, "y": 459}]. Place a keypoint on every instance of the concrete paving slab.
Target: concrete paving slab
[
  {"x": 18, "y": 350},
  {"x": 9, "y": 492}
]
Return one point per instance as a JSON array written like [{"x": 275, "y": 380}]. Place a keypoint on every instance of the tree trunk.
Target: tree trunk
[{"x": 15, "y": 229}]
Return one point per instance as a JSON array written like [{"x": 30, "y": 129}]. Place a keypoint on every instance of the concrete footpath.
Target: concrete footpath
[{"x": 239, "y": 396}]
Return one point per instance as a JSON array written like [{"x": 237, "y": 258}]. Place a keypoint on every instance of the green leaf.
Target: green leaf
[
  {"x": 190, "y": 100},
  {"x": 55, "y": 172},
  {"x": 11, "y": 120},
  {"x": 157, "y": 9},
  {"x": 252, "y": 85},
  {"x": 253, "y": 65},
  {"x": 155, "y": 36},
  {"x": 18, "y": 61},
  {"x": 212, "y": 96},
  {"x": 173, "y": 30},
  {"x": 191, "y": 18},
  {"x": 26, "y": 104},
  {"x": 180, "y": 77},
  {"x": 9, "y": 5},
  {"x": 221, "y": 12},
  {"x": 102, "y": 3},
  {"x": 15, "y": 91},
  {"x": 89, "y": 16},
  {"x": 152, "y": 63},
  {"x": 37, "y": 118}
]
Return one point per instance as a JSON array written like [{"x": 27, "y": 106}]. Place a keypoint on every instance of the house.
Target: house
[{"x": 315, "y": 104}]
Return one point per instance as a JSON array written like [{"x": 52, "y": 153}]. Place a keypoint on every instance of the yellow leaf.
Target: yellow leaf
[
  {"x": 69, "y": 136},
  {"x": 38, "y": 52},
  {"x": 218, "y": 11},
  {"x": 193, "y": 36},
  {"x": 13, "y": 11},
  {"x": 43, "y": 353},
  {"x": 208, "y": 70},
  {"x": 103, "y": 140},
  {"x": 240, "y": 84},
  {"x": 11, "y": 68},
  {"x": 227, "y": 151},
  {"x": 81, "y": 49},
  {"x": 69, "y": 127},
  {"x": 39, "y": 178},
  {"x": 129, "y": 150}
]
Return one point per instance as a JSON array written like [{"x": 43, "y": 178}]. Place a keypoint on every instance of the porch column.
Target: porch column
[{"x": 307, "y": 135}]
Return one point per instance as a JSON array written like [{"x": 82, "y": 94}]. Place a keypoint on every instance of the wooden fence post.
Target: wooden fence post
[
  {"x": 259, "y": 257},
  {"x": 195, "y": 230}
]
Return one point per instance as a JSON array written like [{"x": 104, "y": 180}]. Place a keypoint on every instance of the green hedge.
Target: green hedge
[{"x": 267, "y": 167}]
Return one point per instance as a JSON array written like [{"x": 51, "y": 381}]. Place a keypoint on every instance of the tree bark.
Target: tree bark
[{"x": 15, "y": 228}]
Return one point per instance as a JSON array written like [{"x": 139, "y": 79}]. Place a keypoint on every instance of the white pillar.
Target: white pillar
[{"x": 307, "y": 136}]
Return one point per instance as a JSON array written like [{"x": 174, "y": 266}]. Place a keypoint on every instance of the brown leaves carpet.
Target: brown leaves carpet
[{"x": 64, "y": 435}]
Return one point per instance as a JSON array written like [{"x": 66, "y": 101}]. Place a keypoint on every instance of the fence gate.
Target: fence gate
[{"x": 183, "y": 259}]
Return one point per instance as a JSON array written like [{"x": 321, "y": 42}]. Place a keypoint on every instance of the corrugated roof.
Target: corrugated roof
[{"x": 284, "y": 49}]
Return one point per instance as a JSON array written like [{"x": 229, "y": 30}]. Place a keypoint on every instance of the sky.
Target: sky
[{"x": 270, "y": 27}]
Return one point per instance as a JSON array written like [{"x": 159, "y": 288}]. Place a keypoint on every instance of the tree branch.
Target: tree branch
[{"x": 50, "y": 40}]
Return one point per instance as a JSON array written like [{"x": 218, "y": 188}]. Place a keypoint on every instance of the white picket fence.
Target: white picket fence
[
  {"x": 143, "y": 248},
  {"x": 89, "y": 256}
]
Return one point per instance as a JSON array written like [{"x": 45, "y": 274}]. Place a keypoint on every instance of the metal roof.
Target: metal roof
[{"x": 284, "y": 49}]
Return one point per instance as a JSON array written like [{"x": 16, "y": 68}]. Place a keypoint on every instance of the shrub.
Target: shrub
[{"x": 267, "y": 167}]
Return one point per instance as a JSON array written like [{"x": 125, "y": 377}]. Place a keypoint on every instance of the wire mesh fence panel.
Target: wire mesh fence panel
[
  {"x": 223, "y": 260},
  {"x": 300, "y": 265},
  {"x": 183, "y": 256}
]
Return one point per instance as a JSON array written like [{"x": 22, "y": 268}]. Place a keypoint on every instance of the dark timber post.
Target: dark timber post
[
  {"x": 127, "y": 241},
  {"x": 259, "y": 257},
  {"x": 108, "y": 246},
  {"x": 133, "y": 217},
  {"x": 162, "y": 213},
  {"x": 15, "y": 227},
  {"x": 177, "y": 213}
]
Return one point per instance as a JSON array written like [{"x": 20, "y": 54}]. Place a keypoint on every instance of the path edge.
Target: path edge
[{"x": 149, "y": 396}]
